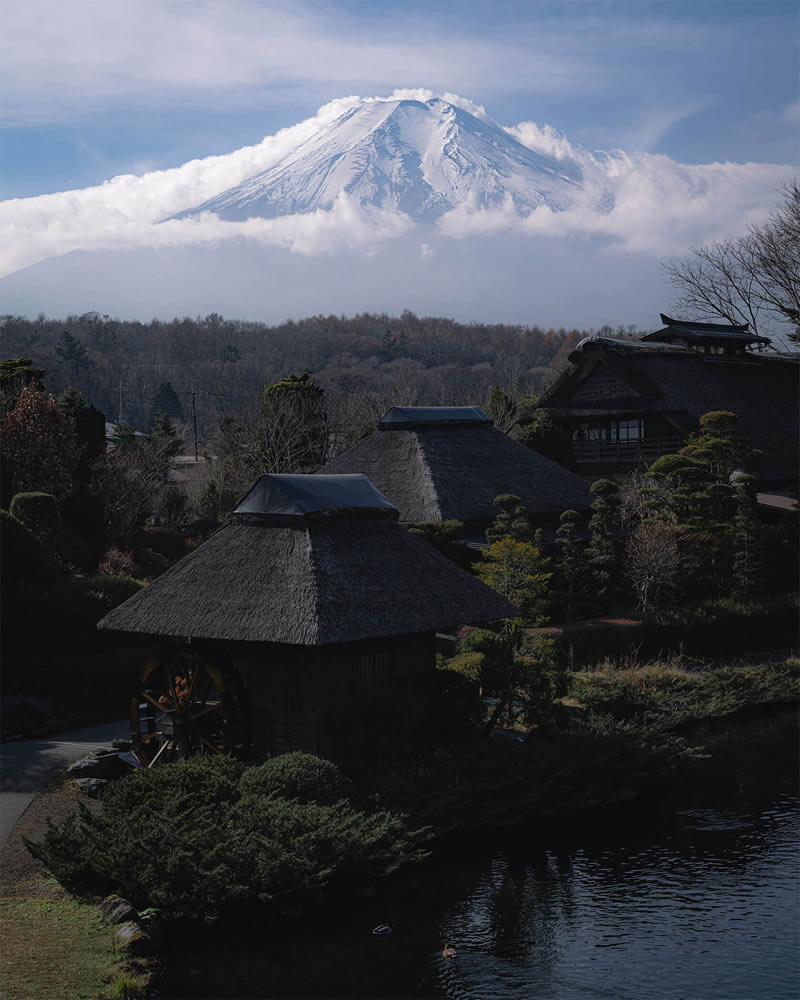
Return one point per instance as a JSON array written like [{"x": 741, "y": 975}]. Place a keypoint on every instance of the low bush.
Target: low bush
[
  {"x": 115, "y": 562},
  {"x": 194, "y": 837},
  {"x": 300, "y": 776},
  {"x": 670, "y": 694},
  {"x": 39, "y": 513}
]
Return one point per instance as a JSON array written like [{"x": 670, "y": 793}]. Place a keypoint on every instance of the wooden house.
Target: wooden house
[
  {"x": 316, "y": 602},
  {"x": 441, "y": 463},
  {"x": 625, "y": 402}
]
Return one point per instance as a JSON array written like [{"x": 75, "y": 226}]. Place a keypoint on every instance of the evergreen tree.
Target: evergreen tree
[
  {"x": 746, "y": 539},
  {"x": 72, "y": 353},
  {"x": 694, "y": 491},
  {"x": 166, "y": 401},
  {"x": 519, "y": 572},
  {"x": 513, "y": 520},
  {"x": 605, "y": 548},
  {"x": 571, "y": 565},
  {"x": 543, "y": 435}
]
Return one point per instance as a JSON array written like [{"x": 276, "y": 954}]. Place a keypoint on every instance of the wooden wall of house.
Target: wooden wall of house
[{"x": 326, "y": 699}]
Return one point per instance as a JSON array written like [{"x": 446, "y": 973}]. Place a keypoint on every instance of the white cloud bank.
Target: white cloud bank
[{"x": 652, "y": 204}]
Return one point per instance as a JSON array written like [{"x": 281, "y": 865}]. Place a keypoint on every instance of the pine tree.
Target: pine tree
[
  {"x": 571, "y": 566},
  {"x": 543, "y": 435},
  {"x": 519, "y": 572},
  {"x": 746, "y": 540},
  {"x": 604, "y": 551},
  {"x": 166, "y": 401},
  {"x": 512, "y": 521}
]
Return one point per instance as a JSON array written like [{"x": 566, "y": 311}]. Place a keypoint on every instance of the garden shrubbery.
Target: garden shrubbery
[
  {"x": 668, "y": 694},
  {"x": 194, "y": 837}
]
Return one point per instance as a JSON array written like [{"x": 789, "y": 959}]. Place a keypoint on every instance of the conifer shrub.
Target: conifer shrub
[
  {"x": 39, "y": 513},
  {"x": 195, "y": 837},
  {"x": 469, "y": 665},
  {"x": 297, "y": 775}
]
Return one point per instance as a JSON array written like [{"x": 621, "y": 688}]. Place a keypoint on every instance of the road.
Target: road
[{"x": 27, "y": 765}]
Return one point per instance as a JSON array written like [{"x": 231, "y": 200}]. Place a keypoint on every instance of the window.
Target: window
[
  {"x": 627, "y": 430},
  {"x": 590, "y": 432}
]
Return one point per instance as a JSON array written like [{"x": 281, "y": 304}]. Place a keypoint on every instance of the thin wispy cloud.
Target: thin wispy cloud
[
  {"x": 74, "y": 58},
  {"x": 634, "y": 202}
]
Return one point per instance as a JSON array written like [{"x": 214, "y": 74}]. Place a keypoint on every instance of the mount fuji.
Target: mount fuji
[
  {"x": 382, "y": 204},
  {"x": 420, "y": 158}
]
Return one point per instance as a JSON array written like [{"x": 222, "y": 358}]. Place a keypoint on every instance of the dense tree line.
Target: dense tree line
[{"x": 362, "y": 362}]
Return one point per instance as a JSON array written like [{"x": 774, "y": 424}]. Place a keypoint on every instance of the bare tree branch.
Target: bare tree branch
[{"x": 753, "y": 279}]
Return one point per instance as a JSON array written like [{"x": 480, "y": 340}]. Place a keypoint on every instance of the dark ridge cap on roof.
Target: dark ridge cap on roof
[
  {"x": 403, "y": 417},
  {"x": 711, "y": 327},
  {"x": 291, "y": 496}
]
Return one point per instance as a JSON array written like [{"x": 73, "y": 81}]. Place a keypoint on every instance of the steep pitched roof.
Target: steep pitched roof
[
  {"x": 438, "y": 471},
  {"x": 309, "y": 578}
]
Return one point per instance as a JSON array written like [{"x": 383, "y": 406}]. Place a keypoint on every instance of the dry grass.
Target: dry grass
[
  {"x": 678, "y": 688},
  {"x": 53, "y": 947}
]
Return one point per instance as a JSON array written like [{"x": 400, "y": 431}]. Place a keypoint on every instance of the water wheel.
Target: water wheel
[{"x": 184, "y": 705}]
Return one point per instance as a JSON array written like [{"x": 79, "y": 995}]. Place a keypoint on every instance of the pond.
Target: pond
[{"x": 692, "y": 894}]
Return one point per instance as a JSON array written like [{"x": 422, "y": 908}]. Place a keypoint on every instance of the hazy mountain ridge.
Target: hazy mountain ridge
[{"x": 419, "y": 158}]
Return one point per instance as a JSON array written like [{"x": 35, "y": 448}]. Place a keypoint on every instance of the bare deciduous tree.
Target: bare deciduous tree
[
  {"x": 653, "y": 563},
  {"x": 753, "y": 279}
]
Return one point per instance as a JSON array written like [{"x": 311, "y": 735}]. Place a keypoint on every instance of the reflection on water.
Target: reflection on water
[{"x": 693, "y": 896}]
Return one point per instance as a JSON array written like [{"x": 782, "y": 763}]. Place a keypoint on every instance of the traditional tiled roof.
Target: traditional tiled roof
[{"x": 693, "y": 332}]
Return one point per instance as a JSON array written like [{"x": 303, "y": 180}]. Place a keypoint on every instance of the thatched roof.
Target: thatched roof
[
  {"x": 762, "y": 390},
  {"x": 439, "y": 470},
  {"x": 333, "y": 575}
]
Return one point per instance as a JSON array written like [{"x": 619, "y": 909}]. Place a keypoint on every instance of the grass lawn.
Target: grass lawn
[{"x": 53, "y": 947}]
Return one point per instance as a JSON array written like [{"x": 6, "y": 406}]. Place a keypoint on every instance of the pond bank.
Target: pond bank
[{"x": 690, "y": 892}]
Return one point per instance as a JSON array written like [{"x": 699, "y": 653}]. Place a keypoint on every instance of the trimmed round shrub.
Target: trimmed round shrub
[
  {"x": 300, "y": 776},
  {"x": 38, "y": 512},
  {"x": 469, "y": 664}
]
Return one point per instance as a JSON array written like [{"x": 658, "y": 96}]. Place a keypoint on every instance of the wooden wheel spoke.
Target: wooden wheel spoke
[
  {"x": 195, "y": 673},
  {"x": 192, "y": 709},
  {"x": 204, "y": 711},
  {"x": 161, "y": 750},
  {"x": 153, "y": 701}
]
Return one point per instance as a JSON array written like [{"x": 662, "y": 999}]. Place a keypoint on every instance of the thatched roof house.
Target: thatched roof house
[
  {"x": 309, "y": 560},
  {"x": 320, "y": 600},
  {"x": 625, "y": 402},
  {"x": 440, "y": 463}
]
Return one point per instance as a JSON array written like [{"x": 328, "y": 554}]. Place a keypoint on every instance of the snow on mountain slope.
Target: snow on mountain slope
[{"x": 422, "y": 159}]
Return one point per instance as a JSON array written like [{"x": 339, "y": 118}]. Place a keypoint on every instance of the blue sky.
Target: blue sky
[
  {"x": 95, "y": 88},
  {"x": 118, "y": 114}
]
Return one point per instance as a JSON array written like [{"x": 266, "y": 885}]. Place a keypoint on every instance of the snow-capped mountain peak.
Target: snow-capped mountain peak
[{"x": 420, "y": 158}]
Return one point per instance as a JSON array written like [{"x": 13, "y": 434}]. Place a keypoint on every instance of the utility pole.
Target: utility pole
[{"x": 194, "y": 422}]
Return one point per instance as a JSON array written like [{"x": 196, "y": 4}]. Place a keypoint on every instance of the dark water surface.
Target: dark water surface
[{"x": 690, "y": 897}]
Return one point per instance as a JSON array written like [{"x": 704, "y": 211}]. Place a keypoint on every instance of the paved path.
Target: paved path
[{"x": 26, "y": 766}]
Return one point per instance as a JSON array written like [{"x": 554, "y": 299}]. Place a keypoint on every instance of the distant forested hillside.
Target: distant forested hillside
[{"x": 373, "y": 358}]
